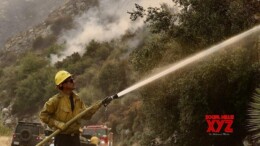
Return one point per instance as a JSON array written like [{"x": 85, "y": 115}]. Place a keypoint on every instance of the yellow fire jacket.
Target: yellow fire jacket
[{"x": 58, "y": 110}]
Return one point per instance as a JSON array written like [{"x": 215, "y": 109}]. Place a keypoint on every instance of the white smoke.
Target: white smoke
[{"x": 108, "y": 21}]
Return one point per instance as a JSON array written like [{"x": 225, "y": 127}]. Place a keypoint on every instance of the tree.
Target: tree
[
  {"x": 220, "y": 85},
  {"x": 30, "y": 63},
  {"x": 253, "y": 113},
  {"x": 98, "y": 51},
  {"x": 201, "y": 22},
  {"x": 34, "y": 91},
  {"x": 112, "y": 77},
  {"x": 155, "y": 50}
]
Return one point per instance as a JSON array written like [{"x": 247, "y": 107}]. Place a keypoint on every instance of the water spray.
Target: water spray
[
  {"x": 190, "y": 60},
  {"x": 165, "y": 72},
  {"x": 187, "y": 61}
]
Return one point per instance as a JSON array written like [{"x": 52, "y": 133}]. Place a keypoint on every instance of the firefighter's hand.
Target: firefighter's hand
[{"x": 59, "y": 125}]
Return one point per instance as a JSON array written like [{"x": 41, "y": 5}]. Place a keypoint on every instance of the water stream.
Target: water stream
[{"x": 191, "y": 59}]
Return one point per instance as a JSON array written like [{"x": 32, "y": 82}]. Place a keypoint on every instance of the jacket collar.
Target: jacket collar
[{"x": 61, "y": 94}]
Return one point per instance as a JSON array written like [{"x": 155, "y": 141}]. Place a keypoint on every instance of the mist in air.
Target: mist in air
[{"x": 105, "y": 22}]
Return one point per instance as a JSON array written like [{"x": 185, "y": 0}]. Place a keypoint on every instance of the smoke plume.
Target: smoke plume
[{"x": 105, "y": 22}]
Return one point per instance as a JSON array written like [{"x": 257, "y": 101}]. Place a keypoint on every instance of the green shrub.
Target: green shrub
[
  {"x": 44, "y": 42},
  {"x": 62, "y": 22},
  {"x": 53, "y": 49}
]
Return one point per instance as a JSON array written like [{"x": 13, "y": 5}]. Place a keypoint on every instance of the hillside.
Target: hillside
[{"x": 111, "y": 45}]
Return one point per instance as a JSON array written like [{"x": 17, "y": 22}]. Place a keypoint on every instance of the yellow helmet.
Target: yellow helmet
[
  {"x": 61, "y": 76},
  {"x": 94, "y": 140}
]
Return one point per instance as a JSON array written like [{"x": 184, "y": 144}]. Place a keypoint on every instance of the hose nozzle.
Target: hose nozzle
[
  {"x": 114, "y": 96},
  {"x": 108, "y": 99}
]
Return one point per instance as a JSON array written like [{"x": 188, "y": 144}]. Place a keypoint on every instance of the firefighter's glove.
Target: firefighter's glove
[{"x": 59, "y": 125}]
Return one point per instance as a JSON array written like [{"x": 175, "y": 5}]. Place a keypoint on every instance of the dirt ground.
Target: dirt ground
[{"x": 5, "y": 141}]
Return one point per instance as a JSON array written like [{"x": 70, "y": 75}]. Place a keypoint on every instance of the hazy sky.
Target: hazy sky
[{"x": 20, "y": 15}]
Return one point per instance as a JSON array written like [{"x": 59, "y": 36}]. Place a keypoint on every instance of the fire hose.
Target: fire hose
[{"x": 79, "y": 116}]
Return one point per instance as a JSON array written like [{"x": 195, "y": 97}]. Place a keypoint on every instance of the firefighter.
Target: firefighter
[{"x": 64, "y": 106}]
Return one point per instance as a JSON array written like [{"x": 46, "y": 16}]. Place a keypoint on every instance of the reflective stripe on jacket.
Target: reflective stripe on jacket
[{"x": 58, "y": 108}]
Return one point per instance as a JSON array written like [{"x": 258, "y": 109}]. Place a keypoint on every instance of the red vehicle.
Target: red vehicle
[{"x": 100, "y": 131}]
